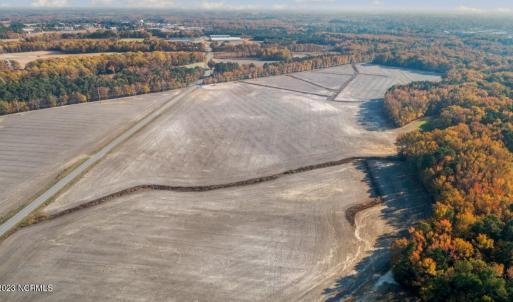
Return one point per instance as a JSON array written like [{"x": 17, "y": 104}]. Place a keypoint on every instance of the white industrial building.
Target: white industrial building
[{"x": 222, "y": 38}]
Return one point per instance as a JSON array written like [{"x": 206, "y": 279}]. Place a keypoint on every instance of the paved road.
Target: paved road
[{"x": 36, "y": 203}]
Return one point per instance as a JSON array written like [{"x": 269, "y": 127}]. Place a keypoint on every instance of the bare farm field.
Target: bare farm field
[
  {"x": 373, "y": 81},
  {"x": 286, "y": 240},
  {"x": 269, "y": 242},
  {"x": 331, "y": 81},
  {"x": 338, "y": 70},
  {"x": 36, "y": 146},
  {"x": 292, "y": 84},
  {"x": 26, "y": 57},
  {"x": 366, "y": 87},
  {"x": 265, "y": 131},
  {"x": 239, "y": 192}
]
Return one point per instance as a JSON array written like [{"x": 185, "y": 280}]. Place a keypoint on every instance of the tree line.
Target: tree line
[
  {"x": 93, "y": 46},
  {"x": 56, "y": 82},
  {"x": 251, "y": 49},
  {"x": 9, "y": 65},
  {"x": 463, "y": 156},
  {"x": 224, "y": 72}
]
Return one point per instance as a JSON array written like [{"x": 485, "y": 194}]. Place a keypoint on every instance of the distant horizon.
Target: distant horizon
[
  {"x": 261, "y": 10},
  {"x": 491, "y": 7}
]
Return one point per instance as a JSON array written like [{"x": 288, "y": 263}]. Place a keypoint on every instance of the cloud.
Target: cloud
[
  {"x": 475, "y": 10},
  {"x": 503, "y": 10},
  {"x": 101, "y": 2},
  {"x": 151, "y": 3},
  {"x": 208, "y": 5},
  {"x": 279, "y": 7},
  {"x": 378, "y": 2},
  {"x": 315, "y": 1},
  {"x": 468, "y": 9},
  {"x": 49, "y": 3},
  {"x": 213, "y": 5}
]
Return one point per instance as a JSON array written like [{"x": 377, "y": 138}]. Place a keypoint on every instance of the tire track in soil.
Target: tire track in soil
[
  {"x": 290, "y": 75},
  {"x": 286, "y": 89},
  {"x": 332, "y": 97},
  {"x": 333, "y": 73}
]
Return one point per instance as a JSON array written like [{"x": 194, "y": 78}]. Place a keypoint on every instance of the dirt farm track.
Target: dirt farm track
[{"x": 278, "y": 238}]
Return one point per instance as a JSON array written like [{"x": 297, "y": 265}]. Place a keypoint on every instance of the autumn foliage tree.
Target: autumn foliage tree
[
  {"x": 48, "y": 83},
  {"x": 98, "y": 45},
  {"x": 463, "y": 157},
  {"x": 251, "y": 71}
]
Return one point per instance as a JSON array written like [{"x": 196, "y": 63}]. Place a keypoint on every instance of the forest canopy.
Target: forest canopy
[
  {"x": 48, "y": 83},
  {"x": 463, "y": 157}
]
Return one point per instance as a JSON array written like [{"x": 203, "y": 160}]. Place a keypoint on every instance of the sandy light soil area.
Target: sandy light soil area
[
  {"x": 36, "y": 146},
  {"x": 373, "y": 81},
  {"x": 293, "y": 84},
  {"x": 275, "y": 241},
  {"x": 265, "y": 131},
  {"x": 282, "y": 239}
]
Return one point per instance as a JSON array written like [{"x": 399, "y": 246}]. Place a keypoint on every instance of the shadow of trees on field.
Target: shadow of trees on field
[
  {"x": 404, "y": 203},
  {"x": 372, "y": 116}
]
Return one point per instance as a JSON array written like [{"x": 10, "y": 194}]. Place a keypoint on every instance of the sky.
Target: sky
[{"x": 462, "y": 6}]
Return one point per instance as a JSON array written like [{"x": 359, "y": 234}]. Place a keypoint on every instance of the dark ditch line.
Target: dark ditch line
[
  {"x": 355, "y": 68},
  {"x": 286, "y": 89},
  {"x": 332, "y": 97},
  {"x": 350, "y": 213},
  {"x": 333, "y": 73},
  {"x": 309, "y": 82},
  {"x": 374, "y": 75},
  {"x": 344, "y": 86}
]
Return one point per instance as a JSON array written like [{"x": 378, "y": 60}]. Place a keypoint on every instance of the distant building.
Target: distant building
[
  {"x": 31, "y": 27},
  {"x": 63, "y": 27},
  {"x": 224, "y": 38}
]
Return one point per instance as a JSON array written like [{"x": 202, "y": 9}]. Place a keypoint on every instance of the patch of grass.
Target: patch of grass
[{"x": 426, "y": 123}]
